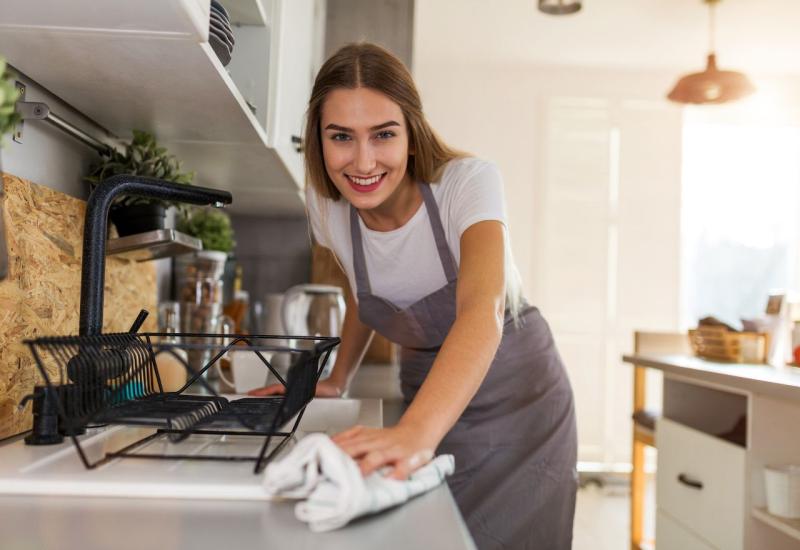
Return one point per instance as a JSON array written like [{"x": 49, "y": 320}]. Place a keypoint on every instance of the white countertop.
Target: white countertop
[
  {"x": 212, "y": 505},
  {"x": 782, "y": 382}
]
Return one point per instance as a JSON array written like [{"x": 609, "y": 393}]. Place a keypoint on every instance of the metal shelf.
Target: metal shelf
[
  {"x": 152, "y": 245},
  {"x": 246, "y": 12}
]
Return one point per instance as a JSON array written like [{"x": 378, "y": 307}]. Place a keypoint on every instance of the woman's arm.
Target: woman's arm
[
  {"x": 356, "y": 337},
  {"x": 459, "y": 368}
]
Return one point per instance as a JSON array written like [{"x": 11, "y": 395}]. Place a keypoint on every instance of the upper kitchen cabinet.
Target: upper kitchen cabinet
[{"x": 149, "y": 65}]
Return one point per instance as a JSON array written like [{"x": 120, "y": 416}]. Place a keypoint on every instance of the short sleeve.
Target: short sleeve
[
  {"x": 315, "y": 216},
  {"x": 477, "y": 194}
]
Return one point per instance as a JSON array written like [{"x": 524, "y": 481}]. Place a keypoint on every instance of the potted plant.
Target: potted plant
[
  {"x": 142, "y": 156},
  {"x": 210, "y": 225},
  {"x": 8, "y": 97}
]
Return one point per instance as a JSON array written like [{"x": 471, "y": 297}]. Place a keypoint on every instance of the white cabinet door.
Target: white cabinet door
[
  {"x": 290, "y": 78},
  {"x": 174, "y": 19},
  {"x": 701, "y": 483},
  {"x": 671, "y": 535}
]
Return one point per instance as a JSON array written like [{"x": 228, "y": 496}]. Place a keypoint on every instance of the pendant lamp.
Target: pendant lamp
[
  {"x": 711, "y": 85},
  {"x": 559, "y": 7}
]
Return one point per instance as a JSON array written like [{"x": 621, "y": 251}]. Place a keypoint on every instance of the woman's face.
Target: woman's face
[{"x": 365, "y": 147}]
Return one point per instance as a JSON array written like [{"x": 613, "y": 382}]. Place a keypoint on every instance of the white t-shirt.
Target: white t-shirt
[{"x": 403, "y": 265}]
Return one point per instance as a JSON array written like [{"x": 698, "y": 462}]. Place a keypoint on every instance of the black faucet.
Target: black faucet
[{"x": 96, "y": 227}]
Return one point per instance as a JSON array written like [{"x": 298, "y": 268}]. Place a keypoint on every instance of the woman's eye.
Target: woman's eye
[
  {"x": 386, "y": 134},
  {"x": 340, "y": 137}
]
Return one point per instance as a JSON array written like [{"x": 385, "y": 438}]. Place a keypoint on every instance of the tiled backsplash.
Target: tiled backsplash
[{"x": 275, "y": 253}]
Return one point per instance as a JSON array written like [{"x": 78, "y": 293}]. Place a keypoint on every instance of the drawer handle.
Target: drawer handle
[{"x": 693, "y": 483}]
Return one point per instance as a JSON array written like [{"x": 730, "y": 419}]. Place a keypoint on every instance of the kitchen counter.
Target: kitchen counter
[
  {"x": 780, "y": 382},
  {"x": 55, "y": 521},
  {"x": 64, "y": 523},
  {"x": 721, "y": 425}
]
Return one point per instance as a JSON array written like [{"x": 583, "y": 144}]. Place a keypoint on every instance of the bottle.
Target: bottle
[
  {"x": 239, "y": 308},
  {"x": 171, "y": 361},
  {"x": 796, "y": 344}
]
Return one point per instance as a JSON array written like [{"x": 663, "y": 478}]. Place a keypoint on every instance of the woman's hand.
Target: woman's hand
[
  {"x": 325, "y": 388},
  {"x": 401, "y": 448}
]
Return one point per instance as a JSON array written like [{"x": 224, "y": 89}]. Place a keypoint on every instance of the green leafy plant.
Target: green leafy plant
[
  {"x": 8, "y": 97},
  {"x": 210, "y": 225},
  {"x": 141, "y": 157}
]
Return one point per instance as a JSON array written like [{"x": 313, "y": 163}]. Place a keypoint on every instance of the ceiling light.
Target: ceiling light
[
  {"x": 711, "y": 85},
  {"x": 559, "y": 7}
]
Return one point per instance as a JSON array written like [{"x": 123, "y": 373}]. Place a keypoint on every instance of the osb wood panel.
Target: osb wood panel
[
  {"x": 40, "y": 297},
  {"x": 325, "y": 270}
]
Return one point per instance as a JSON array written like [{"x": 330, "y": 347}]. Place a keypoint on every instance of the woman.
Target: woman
[{"x": 420, "y": 231}]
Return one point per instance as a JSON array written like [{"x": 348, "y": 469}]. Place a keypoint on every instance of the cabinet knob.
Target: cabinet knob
[
  {"x": 693, "y": 483},
  {"x": 298, "y": 143}
]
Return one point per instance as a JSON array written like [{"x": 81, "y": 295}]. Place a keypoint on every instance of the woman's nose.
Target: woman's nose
[{"x": 365, "y": 159}]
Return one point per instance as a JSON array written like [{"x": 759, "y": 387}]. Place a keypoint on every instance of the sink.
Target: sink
[
  {"x": 331, "y": 416},
  {"x": 57, "y": 470}
]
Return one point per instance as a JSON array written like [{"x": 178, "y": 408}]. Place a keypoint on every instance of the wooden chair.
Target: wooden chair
[{"x": 644, "y": 420}]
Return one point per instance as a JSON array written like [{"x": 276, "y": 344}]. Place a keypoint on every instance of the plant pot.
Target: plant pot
[{"x": 137, "y": 218}]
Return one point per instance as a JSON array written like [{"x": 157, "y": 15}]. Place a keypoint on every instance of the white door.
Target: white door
[{"x": 608, "y": 224}]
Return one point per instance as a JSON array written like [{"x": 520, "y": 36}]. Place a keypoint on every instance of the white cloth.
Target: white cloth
[
  {"x": 317, "y": 470},
  {"x": 469, "y": 191}
]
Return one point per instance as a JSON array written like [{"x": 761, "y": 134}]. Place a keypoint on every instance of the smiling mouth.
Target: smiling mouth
[{"x": 365, "y": 184}]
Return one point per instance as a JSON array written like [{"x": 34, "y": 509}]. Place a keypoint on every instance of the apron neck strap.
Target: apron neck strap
[
  {"x": 445, "y": 256},
  {"x": 359, "y": 261}
]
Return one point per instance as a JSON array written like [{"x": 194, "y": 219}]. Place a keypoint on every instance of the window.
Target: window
[{"x": 740, "y": 213}]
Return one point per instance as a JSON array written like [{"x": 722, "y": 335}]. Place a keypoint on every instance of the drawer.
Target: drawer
[
  {"x": 671, "y": 535},
  {"x": 700, "y": 482}
]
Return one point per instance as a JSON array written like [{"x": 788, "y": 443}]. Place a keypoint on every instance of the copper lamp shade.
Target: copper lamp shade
[{"x": 711, "y": 86}]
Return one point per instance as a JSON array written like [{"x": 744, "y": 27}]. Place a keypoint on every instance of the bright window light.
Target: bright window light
[{"x": 740, "y": 211}]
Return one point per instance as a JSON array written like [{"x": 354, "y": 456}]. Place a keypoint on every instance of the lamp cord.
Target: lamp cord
[{"x": 711, "y": 25}]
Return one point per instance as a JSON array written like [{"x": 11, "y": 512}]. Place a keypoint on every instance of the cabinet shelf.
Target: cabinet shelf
[
  {"x": 161, "y": 78},
  {"x": 789, "y": 527},
  {"x": 246, "y": 12}
]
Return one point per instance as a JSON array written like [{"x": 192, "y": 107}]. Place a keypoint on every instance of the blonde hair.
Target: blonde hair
[{"x": 366, "y": 65}]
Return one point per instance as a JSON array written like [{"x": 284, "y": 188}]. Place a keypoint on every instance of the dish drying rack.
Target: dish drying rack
[{"x": 113, "y": 379}]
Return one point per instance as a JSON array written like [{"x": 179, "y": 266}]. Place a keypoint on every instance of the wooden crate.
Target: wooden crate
[{"x": 720, "y": 344}]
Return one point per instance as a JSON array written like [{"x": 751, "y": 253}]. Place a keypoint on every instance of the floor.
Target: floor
[{"x": 602, "y": 515}]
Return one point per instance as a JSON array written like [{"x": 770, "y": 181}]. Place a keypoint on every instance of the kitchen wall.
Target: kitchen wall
[
  {"x": 387, "y": 22},
  {"x": 275, "y": 253},
  {"x": 50, "y": 157},
  {"x": 47, "y": 155}
]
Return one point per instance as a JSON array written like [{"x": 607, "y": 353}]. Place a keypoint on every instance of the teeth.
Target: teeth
[{"x": 365, "y": 181}]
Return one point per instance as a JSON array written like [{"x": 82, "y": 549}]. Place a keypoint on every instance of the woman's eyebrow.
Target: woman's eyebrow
[{"x": 374, "y": 128}]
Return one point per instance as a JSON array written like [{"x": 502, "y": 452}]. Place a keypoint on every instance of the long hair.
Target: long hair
[{"x": 366, "y": 65}]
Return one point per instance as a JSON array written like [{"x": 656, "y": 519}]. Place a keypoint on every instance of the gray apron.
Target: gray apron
[{"x": 515, "y": 444}]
